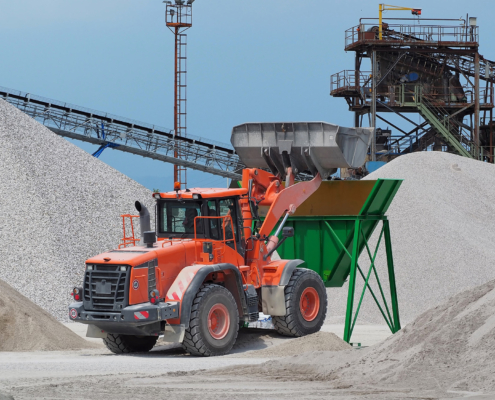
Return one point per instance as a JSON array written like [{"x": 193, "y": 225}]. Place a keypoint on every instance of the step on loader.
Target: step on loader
[{"x": 210, "y": 265}]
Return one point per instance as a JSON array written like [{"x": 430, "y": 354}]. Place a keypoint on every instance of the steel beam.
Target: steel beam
[
  {"x": 148, "y": 154},
  {"x": 131, "y": 136}
]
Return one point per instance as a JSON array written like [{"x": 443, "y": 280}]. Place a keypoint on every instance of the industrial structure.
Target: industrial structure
[
  {"x": 178, "y": 18},
  {"x": 140, "y": 138},
  {"x": 430, "y": 67}
]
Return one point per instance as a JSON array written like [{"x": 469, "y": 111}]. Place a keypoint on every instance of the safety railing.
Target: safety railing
[
  {"x": 460, "y": 35},
  {"x": 349, "y": 80},
  {"x": 409, "y": 95},
  {"x": 128, "y": 239}
]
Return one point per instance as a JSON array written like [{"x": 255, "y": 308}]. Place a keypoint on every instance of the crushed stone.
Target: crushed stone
[
  {"x": 450, "y": 347},
  {"x": 58, "y": 206},
  {"x": 319, "y": 341},
  {"x": 26, "y": 327}
]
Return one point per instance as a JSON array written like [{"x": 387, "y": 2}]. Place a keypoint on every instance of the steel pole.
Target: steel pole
[
  {"x": 373, "y": 104},
  {"x": 391, "y": 276},
  {"x": 352, "y": 281},
  {"x": 476, "y": 132},
  {"x": 176, "y": 123},
  {"x": 357, "y": 66}
]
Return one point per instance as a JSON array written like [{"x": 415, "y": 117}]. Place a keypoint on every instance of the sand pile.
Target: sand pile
[
  {"x": 25, "y": 326},
  {"x": 58, "y": 206},
  {"x": 320, "y": 341},
  {"x": 441, "y": 222},
  {"x": 450, "y": 347}
]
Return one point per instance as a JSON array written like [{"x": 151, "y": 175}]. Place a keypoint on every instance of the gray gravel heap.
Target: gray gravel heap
[
  {"x": 58, "y": 206},
  {"x": 442, "y": 224}
]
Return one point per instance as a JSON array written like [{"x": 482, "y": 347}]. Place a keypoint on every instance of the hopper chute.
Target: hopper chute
[{"x": 307, "y": 147}]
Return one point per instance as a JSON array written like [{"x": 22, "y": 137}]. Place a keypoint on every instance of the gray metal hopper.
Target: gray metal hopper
[{"x": 305, "y": 146}]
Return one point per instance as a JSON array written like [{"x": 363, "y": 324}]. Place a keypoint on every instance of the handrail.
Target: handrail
[
  {"x": 427, "y": 34},
  {"x": 126, "y": 240}
]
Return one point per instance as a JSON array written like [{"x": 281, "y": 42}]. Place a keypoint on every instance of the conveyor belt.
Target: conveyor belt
[{"x": 131, "y": 136}]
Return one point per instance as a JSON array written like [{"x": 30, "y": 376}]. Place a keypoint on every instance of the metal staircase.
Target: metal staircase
[{"x": 451, "y": 131}]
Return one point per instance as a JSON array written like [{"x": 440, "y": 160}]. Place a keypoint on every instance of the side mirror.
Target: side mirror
[{"x": 288, "y": 231}]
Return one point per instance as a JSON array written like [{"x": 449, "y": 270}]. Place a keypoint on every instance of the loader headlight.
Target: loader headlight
[
  {"x": 123, "y": 268},
  {"x": 89, "y": 268}
]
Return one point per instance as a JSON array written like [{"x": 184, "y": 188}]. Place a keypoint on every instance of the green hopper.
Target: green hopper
[{"x": 333, "y": 227}]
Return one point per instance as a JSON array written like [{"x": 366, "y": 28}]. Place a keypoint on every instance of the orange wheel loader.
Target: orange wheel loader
[{"x": 210, "y": 265}]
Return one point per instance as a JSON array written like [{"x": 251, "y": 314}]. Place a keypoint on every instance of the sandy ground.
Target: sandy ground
[{"x": 167, "y": 371}]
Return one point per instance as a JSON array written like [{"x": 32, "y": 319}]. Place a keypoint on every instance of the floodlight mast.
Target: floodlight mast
[{"x": 178, "y": 18}]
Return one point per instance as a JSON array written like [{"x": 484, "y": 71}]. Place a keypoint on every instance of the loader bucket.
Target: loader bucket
[
  {"x": 324, "y": 225},
  {"x": 307, "y": 147}
]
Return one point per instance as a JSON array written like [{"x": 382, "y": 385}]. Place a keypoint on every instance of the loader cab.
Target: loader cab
[{"x": 215, "y": 218}]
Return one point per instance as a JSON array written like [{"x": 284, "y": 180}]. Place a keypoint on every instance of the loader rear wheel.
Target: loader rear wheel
[
  {"x": 305, "y": 303},
  {"x": 214, "y": 322},
  {"x": 120, "y": 344}
]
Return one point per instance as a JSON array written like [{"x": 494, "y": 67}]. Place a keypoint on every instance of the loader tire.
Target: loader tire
[
  {"x": 214, "y": 322},
  {"x": 305, "y": 304},
  {"x": 122, "y": 344}
]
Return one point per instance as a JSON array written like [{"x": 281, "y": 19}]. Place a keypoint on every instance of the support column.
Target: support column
[
  {"x": 373, "y": 104},
  {"x": 490, "y": 96},
  {"x": 476, "y": 133},
  {"x": 352, "y": 281},
  {"x": 357, "y": 66},
  {"x": 391, "y": 276}
]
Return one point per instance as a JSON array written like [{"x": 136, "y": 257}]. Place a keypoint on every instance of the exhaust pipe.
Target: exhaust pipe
[{"x": 144, "y": 219}]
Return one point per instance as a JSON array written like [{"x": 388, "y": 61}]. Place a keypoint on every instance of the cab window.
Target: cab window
[
  {"x": 178, "y": 218},
  {"x": 213, "y": 222},
  {"x": 226, "y": 207}
]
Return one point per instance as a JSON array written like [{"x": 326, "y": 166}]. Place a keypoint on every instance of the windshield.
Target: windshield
[{"x": 178, "y": 217}]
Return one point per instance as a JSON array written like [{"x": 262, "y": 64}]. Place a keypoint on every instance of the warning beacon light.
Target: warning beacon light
[{"x": 416, "y": 11}]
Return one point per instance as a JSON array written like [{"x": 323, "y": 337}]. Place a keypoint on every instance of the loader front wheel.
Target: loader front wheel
[
  {"x": 121, "y": 344},
  {"x": 305, "y": 304},
  {"x": 214, "y": 322}
]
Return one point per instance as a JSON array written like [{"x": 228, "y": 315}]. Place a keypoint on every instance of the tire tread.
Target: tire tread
[
  {"x": 287, "y": 325},
  {"x": 193, "y": 342}
]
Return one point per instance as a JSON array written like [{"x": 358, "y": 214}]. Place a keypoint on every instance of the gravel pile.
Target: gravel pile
[
  {"x": 443, "y": 239},
  {"x": 450, "y": 347},
  {"x": 58, "y": 206},
  {"x": 26, "y": 327},
  {"x": 320, "y": 341}
]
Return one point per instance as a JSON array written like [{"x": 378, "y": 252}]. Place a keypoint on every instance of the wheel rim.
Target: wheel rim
[
  {"x": 309, "y": 304},
  {"x": 218, "y": 321}
]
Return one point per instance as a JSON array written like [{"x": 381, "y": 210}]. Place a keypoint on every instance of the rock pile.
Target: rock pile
[
  {"x": 441, "y": 223},
  {"x": 26, "y": 327},
  {"x": 58, "y": 206}
]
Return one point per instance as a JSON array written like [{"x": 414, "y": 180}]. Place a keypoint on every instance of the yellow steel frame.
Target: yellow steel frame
[{"x": 388, "y": 7}]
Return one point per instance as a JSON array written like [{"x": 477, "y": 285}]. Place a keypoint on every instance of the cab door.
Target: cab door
[{"x": 220, "y": 208}]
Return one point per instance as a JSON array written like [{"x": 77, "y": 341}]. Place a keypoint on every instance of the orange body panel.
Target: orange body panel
[
  {"x": 205, "y": 193},
  {"x": 272, "y": 272},
  {"x": 138, "y": 293}
]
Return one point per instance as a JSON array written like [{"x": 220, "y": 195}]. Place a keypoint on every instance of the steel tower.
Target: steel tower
[{"x": 178, "y": 18}]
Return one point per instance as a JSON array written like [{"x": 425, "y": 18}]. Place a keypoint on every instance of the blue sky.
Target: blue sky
[{"x": 247, "y": 61}]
